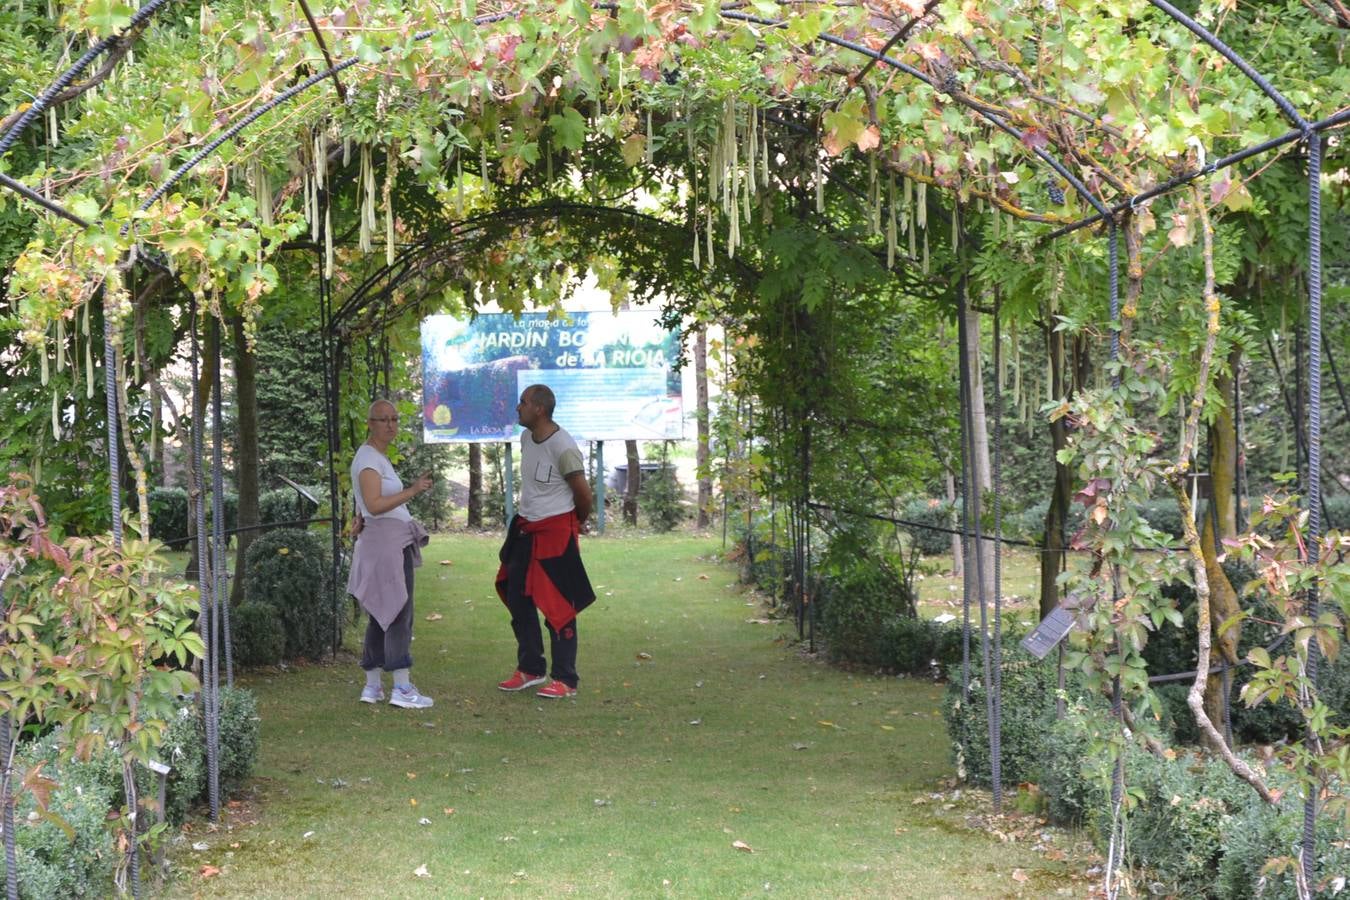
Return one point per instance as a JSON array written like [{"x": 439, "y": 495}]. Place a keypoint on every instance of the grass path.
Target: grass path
[{"x": 695, "y": 727}]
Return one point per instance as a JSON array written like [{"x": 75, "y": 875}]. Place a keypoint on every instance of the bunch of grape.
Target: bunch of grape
[{"x": 1055, "y": 193}]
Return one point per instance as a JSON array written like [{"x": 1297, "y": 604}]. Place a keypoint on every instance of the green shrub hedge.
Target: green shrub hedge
[
  {"x": 288, "y": 505},
  {"x": 936, "y": 514},
  {"x": 1028, "y": 694},
  {"x": 170, "y": 511},
  {"x": 289, "y": 569},
  {"x": 240, "y": 735},
  {"x": 54, "y": 863},
  {"x": 257, "y": 634}
]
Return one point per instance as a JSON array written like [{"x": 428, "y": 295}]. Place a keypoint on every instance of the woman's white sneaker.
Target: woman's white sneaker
[{"x": 406, "y": 696}]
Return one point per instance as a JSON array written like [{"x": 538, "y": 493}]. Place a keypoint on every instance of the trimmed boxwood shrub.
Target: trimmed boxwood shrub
[
  {"x": 289, "y": 569},
  {"x": 286, "y": 505},
  {"x": 1029, "y": 689},
  {"x": 1073, "y": 793},
  {"x": 921, "y": 646},
  {"x": 1177, "y": 830},
  {"x": 240, "y": 735},
  {"x": 257, "y": 634},
  {"x": 170, "y": 512},
  {"x": 53, "y": 865},
  {"x": 183, "y": 748},
  {"x": 1261, "y": 832},
  {"x": 169, "y": 516},
  {"x": 859, "y": 609},
  {"x": 662, "y": 499},
  {"x": 936, "y": 513}
]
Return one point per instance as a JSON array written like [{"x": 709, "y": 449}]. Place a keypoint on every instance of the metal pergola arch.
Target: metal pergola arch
[{"x": 1303, "y": 131}]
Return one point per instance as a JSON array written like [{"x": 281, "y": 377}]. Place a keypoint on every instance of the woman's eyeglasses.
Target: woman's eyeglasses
[{"x": 386, "y": 420}]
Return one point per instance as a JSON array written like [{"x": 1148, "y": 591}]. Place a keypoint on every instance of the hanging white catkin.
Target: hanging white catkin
[
  {"x": 733, "y": 154},
  {"x": 649, "y": 147},
  {"x": 88, "y": 357},
  {"x": 365, "y": 187},
  {"x": 42, "y": 360},
  {"x": 925, "y": 251},
  {"x": 890, "y": 221},
  {"x": 265, "y": 199},
  {"x": 764, "y": 154},
  {"x": 911, "y": 226},
  {"x": 921, "y": 206},
  {"x": 56, "y": 414},
  {"x": 390, "y": 173},
  {"x": 693, "y": 199},
  {"x": 328, "y": 242},
  {"x": 956, "y": 229},
  {"x": 483, "y": 168},
  {"x": 60, "y": 345},
  {"x": 708, "y": 233},
  {"x": 752, "y": 145},
  {"x": 873, "y": 193},
  {"x": 459, "y": 185},
  {"x": 346, "y": 152},
  {"x": 820, "y": 187}
]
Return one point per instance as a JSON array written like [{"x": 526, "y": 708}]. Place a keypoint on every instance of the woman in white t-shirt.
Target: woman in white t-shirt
[{"x": 388, "y": 548}]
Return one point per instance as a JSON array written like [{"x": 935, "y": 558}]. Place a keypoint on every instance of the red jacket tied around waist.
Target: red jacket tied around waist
[{"x": 556, "y": 581}]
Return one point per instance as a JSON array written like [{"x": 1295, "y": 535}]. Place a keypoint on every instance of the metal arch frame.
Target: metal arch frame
[{"x": 1304, "y": 130}]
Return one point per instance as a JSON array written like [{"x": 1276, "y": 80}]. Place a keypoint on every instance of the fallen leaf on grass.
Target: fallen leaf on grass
[
  {"x": 827, "y": 724},
  {"x": 434, "y": 617},
  {"x": 308, "y": 834},
  {"x": 703, "y": 578},
  {"x": 424, "y": 821},
  {"x": 446, "y": 562},
  {"x": 421, "y": 871},
  {"x": 742, "y": 846},
  {"x": 887, "y": 727},
  {"x": 449, "y": 810},
  {"x": 800, "y": 745},
  {"x": 1019, "y": 876},
  {"x": 695, "y": 721},
  {"x": 643, "y": 654},
  {"x": 208, "y": 871}
]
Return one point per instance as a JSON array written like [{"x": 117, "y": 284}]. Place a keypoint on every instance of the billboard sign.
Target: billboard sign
[{"x": 612, "y": 374}]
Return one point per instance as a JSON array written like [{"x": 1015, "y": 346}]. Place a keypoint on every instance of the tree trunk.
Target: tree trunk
[
  {"x": 958, "y": 561},
  {"x": 980, "y": 467},
  {"x": 475, "y": 486},
  {"x": 157, "y": 438},
  {"x": 630, "y": 492},
  {"x": 1223, "y": 599},
  {"x": 1053, "y": 554},
  {"x": 704, "y": 455},
  {"x": 205, "y": 379},
  {"x": 245, "y": 452}
]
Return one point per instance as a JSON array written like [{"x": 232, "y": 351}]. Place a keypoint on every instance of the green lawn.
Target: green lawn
[{"x": 697, "y": 726}]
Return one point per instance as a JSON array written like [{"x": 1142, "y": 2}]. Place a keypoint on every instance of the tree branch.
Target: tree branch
[
  {"x": 115, "y": 55},
  {"x": 1176, "y": 477}
]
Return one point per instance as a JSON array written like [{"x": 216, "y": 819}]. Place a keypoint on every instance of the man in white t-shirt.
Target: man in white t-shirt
[{"x": 541, "y": 559}]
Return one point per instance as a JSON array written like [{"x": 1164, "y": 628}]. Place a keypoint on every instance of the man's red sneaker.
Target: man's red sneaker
[
  {"x": 519, "y": 681},
  {"x": 556, "y": 690}
]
